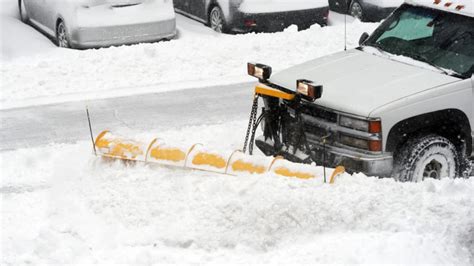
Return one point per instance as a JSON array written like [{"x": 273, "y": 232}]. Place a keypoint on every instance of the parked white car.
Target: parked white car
[
  {"x": 399, "y": 105},
  {"x": 99, "y": 23}
]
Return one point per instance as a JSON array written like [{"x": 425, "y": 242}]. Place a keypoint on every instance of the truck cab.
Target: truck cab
[{"x": 399, "y": 105}]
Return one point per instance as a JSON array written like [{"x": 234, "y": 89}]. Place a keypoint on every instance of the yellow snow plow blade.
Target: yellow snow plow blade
[{"x": 198, "y": 157}]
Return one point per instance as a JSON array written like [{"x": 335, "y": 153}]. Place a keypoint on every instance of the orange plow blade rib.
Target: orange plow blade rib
[{"x": 198, "y": 157}]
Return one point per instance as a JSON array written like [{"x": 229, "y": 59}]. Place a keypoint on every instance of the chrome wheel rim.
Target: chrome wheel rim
[
  {"x": 216, "y": 20},
  {"x": 432, "y": 170},
  {"x": 356, "y": 10},
  {"x": 62, "y": 36},
  {"x": 436, "y": 167}
]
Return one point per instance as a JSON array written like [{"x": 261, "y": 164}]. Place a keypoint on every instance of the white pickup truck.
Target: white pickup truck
[{"x": 399, "y": 105}]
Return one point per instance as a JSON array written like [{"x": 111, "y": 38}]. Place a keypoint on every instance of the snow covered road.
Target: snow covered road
[
  {"x": 61, "y": 205},
  {"x": 67, "y": 122}
]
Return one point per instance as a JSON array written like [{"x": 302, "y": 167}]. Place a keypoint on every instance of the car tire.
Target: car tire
[
  {"x": 217, "y": 20},
  {"x": 356, "y": 10},
  {"x": 430, "y": 156},
  {"x": 23, "y": 13},
  {"x": 62, "y": 37}
]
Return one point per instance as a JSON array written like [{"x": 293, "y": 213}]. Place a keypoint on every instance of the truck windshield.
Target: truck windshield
[{"x": 441, "y": 39}]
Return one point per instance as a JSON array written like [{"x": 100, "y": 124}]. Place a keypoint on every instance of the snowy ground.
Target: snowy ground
[{"x": 62, "y": 205}]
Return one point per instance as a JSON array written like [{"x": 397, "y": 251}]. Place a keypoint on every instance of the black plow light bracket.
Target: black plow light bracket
[
  {"x": 260, "y": 71},
  {"x": 309, "y": 90}
]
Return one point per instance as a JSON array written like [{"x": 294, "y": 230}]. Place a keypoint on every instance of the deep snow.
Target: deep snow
[{"x": 61, "y": 205}]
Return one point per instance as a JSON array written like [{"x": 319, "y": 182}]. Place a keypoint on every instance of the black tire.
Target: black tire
[
  {"x": 217, "y": 20},
  {"x": 22, "y": 11},
  {"x": 62, "y": 37},
  {"x": 356, "y": 10},
  {"x": 430, "y": 156}
]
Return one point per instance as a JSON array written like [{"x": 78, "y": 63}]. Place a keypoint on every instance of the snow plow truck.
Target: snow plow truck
[{"x": 399, "y": 105}]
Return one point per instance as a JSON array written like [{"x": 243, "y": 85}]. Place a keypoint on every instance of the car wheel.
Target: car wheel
[
  {"x": 431, "y": 156},
  {"x": 217, "y": 20},
  {"x": 356, "y": 10},
  {"x": 23, "y": 13},
  {"x": 62, "y": 38}
]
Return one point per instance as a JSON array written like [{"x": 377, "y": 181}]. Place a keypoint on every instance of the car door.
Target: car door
[
  {"x": 32, "y": 7},
  {"x": 179, "y": 4},
  {"x": 50, "y": 12},
  {"x": 198, "y": 9},
  {"x": 339, "y": 5},
  {"x": 186, "y": 7}
]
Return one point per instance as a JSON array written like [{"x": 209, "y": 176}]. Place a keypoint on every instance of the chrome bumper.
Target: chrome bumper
[
  {"x": 372, "y": 165},
  {"x": 123, "y": 34}
]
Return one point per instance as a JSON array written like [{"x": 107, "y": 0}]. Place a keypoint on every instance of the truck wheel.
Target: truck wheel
[
  {"x": 217, "y": 20},
  {"x": 429, "y": 156}
]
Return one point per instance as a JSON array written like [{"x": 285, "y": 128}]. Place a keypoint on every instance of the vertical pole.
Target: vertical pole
[
  {"x": 345, "y": 32},
  {"x": 324, "y": 158},
  {"x": 90, "y": 130}
]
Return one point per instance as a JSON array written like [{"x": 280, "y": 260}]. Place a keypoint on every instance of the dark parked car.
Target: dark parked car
[
  {"x": 255, "y": 15},
  {"x": 365, "y": 10}
]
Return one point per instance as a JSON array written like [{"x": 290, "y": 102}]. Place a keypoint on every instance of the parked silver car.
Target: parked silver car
[
  {"x": 255, "y": 15},
  {"x": 99, "y": 23}
]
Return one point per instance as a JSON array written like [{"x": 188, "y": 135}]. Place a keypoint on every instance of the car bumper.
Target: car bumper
[
  {"x": 90, "y": 37},
  {"x": 373, "y": 165},
  {"x": 273, "y": 22}
]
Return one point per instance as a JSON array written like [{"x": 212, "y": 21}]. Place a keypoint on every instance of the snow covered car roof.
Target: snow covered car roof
[{"x": 463, "y": 7}]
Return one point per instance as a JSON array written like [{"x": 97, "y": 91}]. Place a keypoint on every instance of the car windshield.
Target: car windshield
[{"x": 441, "y": 39}]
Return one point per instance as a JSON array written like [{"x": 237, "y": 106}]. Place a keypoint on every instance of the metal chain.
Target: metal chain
[{"x": 252, "y": 122}]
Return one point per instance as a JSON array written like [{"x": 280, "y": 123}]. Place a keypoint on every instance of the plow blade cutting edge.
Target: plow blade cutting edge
[{"x": 198, "y": 157}]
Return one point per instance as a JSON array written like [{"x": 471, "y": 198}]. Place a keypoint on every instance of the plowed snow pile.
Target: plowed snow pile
[{"x": 61, "y": 205}]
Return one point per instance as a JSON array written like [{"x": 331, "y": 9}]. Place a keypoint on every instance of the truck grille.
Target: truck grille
[
  {"x": 318, "y": 123},
  {"x": 323, "y": 114}
]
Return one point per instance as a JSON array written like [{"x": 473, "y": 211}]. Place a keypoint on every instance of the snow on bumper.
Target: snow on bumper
[{"x": 124, "y": 34}]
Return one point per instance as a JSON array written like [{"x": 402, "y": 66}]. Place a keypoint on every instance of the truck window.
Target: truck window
[{"x": 439, "y": 38}]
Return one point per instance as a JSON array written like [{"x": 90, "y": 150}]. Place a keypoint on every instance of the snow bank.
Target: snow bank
[
  {"x": 61, "y": 205},
  {"x": 194, "y": 59}
]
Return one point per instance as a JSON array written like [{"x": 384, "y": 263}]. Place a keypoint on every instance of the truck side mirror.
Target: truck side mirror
[{"x": 363, "y": 38}]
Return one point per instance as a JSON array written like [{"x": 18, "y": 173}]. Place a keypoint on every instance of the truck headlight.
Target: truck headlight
[
  {"x": 371, "y": 126},
  {"x": 309, "y": 89},
  {"x": 364, "y": 144},
  {"x": 260, "y": 71}
]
